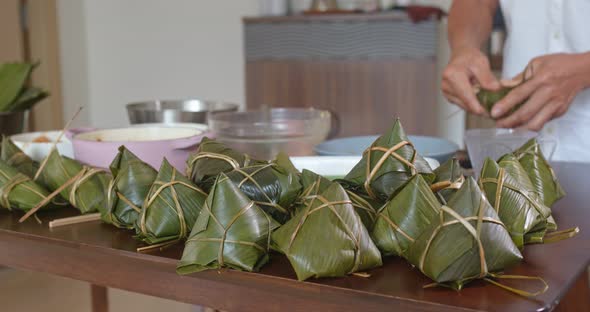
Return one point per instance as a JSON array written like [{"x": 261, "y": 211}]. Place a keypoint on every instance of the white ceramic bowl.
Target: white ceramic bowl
[
  {"x": 336, "y": 166},
  {"x": 38, "y": 151}
]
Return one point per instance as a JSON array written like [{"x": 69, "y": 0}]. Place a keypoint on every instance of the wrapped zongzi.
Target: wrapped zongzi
[
  {"x": 231, "y": 231},
  {"x": 84, "y": 187},
  {"x": 409, "y": 212},
  {"x": 466, "y": 241},
  {"x": 170, "y": 209},
  {"x": 314, "y": 184},
  {"x": 510, "y": 192},
  {"x": 387, "y": 165},
  {"x": 15, "y": 157},
  {"x": 270, "y": 186},
  {"x": 327, "y": 238},
  {"x": 213, "y": 158},
  {"x": 18, "y": 191},
  {"x": 540, "y": 172},
  {"x": 449, "y": 178},
  {"x": 132, "y": 180}
]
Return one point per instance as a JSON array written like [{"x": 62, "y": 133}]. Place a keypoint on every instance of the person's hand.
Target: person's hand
[
  {"x": 467, "y": 69},
  {"x": 551, "y": 84}
]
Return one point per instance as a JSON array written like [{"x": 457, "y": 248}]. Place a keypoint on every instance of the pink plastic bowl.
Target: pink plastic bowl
[{"x": 151, "y": 144}]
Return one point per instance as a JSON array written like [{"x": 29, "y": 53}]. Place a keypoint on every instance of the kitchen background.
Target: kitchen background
[{"x": 108, "y": 53}]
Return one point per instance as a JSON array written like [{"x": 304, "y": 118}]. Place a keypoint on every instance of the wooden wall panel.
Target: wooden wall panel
[
  {"x": 365, "y": 94},
  {"x": 43, "y": 44},
  {"x": 11, "y": 36}
]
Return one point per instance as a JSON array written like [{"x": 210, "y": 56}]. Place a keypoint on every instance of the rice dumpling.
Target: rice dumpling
[
  {"x": 510, "y": 192},
  {"x": 18, "y": 191},
  {"x": 449, "y": 178},
  {"x": 540, "y": 172},
  {"x": 466, "y": 241},
  {"x": 405, "y": 217},
  {"x": 132, "y": 180},
  {"x": 387, "y": 165},
  {"x": 327, "y": 238},
  {"x": 314, "y": 184},
  {"x": 231, "y": 231},
  {"x": 170, "y": 209},
  {"x": 213, "y": 158},
  {"x": 85, "y": 188},
  {"x": 15, "y": 157},
  {"x": 270, "y": 186}
]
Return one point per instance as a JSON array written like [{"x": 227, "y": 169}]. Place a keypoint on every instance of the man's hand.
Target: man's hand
[
  {"x": 468, "y": 68},
  {"x": 551, "y": 84}
]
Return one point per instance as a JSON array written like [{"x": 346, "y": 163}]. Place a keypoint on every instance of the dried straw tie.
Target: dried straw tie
[
  {"x": 10, "y": 185},
  {"x": 501, "y": 183},
  {"x": 391, "y": 152},
  {"x": 176, "y": 207},
  {"x": 476, "y": 233},
  {"x": 17, "y": 157},
  {"x": 396, "y": 227},
  {"x": 353, "y": 235},
  {"x": 223, "y": 240},
  {"x": 250, "y": 178},
  {"x": 447, "y": 185},
  {"x": 113, "y": 193},
  {"x": 356, "y": 200},
  {"x": 204, "y": 155},
  {"x": 44, "y": 163},
  {"x": 75, "y": 182}
]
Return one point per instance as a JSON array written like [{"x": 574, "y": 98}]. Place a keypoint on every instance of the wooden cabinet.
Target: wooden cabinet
[{"x": 367, "y": 69}]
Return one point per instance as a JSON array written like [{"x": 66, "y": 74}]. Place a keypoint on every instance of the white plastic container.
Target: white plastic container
[{"x": 494, "y": 143}]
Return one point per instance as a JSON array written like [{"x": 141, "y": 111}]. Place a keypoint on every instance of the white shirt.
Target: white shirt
[{"x": 539, "y": 27}]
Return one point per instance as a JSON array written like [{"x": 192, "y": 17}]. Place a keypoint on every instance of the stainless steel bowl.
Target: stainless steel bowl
[
  {"x": 175, "y": 111},
  {"x": 12, "y": 123}
]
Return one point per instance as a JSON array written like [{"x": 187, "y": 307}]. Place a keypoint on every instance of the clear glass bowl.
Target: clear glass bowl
[{"x": 263, "y": 134}]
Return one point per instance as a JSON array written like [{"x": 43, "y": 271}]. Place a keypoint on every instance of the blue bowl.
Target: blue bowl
[{"x": 433, "y": 147}]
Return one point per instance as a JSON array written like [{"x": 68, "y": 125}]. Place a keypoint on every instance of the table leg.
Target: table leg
[
  {"x": 578, "y": 298},
  {"x": 100, "y": 300}
]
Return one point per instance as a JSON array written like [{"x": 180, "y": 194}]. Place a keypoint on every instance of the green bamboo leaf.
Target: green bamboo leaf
[
  {"x": 13, "y": 77},
  {"x": 15, "y": 157},
  {"x": 405, "y": 217},
  {"x": 213, "y": 158},
  {"x": 270, "y": 186},
  {"x": 170, "y": 209},
  {"x": 380, "y": 178},
  {"x": 86, "y": 188},
  {"x": 540, "y": 172},
  {"x": 18, "y": 191},
  {"x": 314, "y": 184},
  {"x": 449, "y": 178},
  {"x": 509, "y": 190},
  {"x": 450, "y": 250},
  {"x": 231, "y": 231},
  {"x": 327, "y": 238},
  {"x": 132, "y": 180}
]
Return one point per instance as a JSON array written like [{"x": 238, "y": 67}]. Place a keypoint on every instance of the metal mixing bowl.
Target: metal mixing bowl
[{"x": 175, "y": 111}]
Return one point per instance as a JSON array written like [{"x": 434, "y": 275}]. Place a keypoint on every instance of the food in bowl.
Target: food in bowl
[{"x": 37, "y": 145}]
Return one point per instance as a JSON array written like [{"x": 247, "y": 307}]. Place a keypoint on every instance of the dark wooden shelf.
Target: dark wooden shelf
[{"x": 106, "y": 256}]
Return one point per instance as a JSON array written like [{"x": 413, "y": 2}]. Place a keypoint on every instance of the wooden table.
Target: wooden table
[{"x": 104, "y": 256}]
